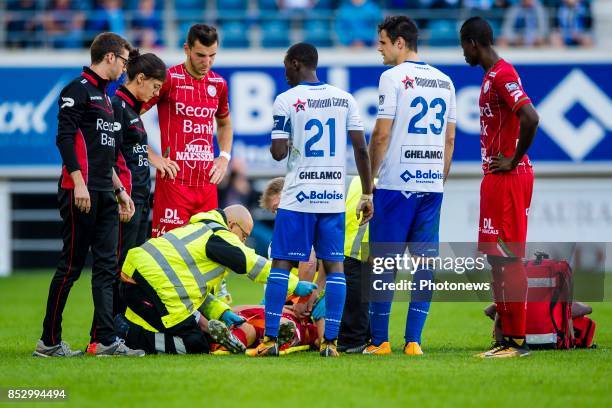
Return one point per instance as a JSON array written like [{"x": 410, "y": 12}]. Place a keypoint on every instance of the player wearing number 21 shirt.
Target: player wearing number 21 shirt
[
  {"x": 508, "y": 124},
  {"x": 311, "y": 123}
]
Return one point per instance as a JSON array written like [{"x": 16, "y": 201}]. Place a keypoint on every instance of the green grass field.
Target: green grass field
[{"x": 447, "y": 374}]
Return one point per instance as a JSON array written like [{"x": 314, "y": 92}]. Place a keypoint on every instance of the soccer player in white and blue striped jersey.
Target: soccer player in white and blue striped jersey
[
  {"x": 311, "y": 123},
  {"x": 410, "y": 151}
]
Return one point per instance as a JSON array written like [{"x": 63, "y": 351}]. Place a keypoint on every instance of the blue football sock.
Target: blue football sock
[
  {"x": 419, "y": 307},
  {"x": 335, "y": 295},
  {"x": 276, "y": 293},
  {"x": 379, "y": 322}
]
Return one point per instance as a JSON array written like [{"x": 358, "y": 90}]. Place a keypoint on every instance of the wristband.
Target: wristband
[
  {"x": 367, "y": 197},
  {"x": 225, "y": 154},
  {"x": 119, "y": 190}
]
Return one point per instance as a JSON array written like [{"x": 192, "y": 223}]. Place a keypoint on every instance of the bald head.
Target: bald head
[{"x": 239, "y": 220}]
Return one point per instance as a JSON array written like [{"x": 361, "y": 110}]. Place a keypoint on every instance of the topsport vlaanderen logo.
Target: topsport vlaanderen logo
[{"x": 422, "y": 177}]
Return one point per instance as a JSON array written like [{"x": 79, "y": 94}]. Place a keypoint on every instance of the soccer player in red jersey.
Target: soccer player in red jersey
[
  {"x": 192, "y": 97},
  {"x": 508, "y": 124}
]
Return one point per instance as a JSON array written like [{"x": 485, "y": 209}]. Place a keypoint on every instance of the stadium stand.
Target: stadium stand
[{"x": 72, "y": 24}]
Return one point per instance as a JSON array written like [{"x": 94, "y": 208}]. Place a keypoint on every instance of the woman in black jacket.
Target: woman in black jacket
[{"x": 145, "y": 75}]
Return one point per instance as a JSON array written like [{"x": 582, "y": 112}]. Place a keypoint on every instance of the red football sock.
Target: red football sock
[{"x": 513, "y": 300}]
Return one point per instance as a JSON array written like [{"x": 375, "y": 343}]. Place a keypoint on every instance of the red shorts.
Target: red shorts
[
  {"x": 174, "y": 204},
  {"x": 504, "y": 207}
]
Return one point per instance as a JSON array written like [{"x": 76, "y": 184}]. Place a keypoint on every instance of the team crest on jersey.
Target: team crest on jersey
[
  {"x": 408, "y": 82},
  {"x": 212, "y": 91},
  {"x": 300, "y": 105},
  {"x": 512, "y": 86},
  {"x": 381, "y": 99},
  {"x": 487, "y": 85}
]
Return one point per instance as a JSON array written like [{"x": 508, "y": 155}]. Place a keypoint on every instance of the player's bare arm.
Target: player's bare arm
[
  {"x": 306, "y": 272},
  {"x": 126, "y": 205},
  {"x": 82, "y": 201},
  {"x": 224, "y": 138},
  {"x": 449, "y": 147},
  {"x": 379, "y": 143},
  {"x": 365, "y": 207},
  {"x": 529, "y": 120},
  {"x": 279, "y": 149},
  {"x": 165, "y": 166}
]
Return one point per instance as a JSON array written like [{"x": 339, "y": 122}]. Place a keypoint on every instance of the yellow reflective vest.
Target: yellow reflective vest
[
  {"x": 354, "y": 235},
  {"x": 185, "y": 264}
]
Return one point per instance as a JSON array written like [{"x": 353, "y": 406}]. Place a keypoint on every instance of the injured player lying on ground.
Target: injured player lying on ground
[{"x": 294, "y": 334}]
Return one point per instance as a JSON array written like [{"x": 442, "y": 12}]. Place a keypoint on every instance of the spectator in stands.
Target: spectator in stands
[
  {"x": 22, "y": 26},
  {"x": 237, "y": 188},
  {"x": 572, "y": 24},
  {"x": 355, "y": 21},
  {"x": 296, "y": 5},
  {"x": 147, "y": 25},
  {"x": 108, "y": 17},
  {"x": 525, "y": 24},
  {"x": 485, "y": 4},
  {"x": 64, "y": 24},
  {"x": 491, "y": 10}
]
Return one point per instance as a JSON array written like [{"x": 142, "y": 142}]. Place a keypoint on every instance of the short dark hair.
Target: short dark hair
[
  {"x": 477, "y": 29},
  {"x": 105, "y": 43},
  {"x": 305, "y": 53},
  {"x": 205, "y": 34},
  {"x": 148, "y": 64},
  {"x": 401, "y": 26}
]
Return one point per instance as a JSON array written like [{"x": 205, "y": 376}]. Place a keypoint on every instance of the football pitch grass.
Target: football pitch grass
[{"x": 447, "y": 373}]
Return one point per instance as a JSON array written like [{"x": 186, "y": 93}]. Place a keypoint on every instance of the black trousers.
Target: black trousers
[
  {"x": 183, "y": 338},
  {"x": 355, "y": 325},
  {"x": 80, "y": 232},
  {"x": 131, "y": 234}
]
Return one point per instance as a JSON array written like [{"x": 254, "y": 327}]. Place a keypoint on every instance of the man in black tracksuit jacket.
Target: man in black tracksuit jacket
[
  {"x": 135, "y": 175},
  {"x": 91, "y": 199}
]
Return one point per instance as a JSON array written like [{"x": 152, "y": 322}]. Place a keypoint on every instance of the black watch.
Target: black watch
[{"x": 119, "y": 190}]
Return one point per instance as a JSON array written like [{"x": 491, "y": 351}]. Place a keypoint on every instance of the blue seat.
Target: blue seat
[
  {"x": 318, "y": 33},
  {"x": 232, "y": 6},
  {"x": 189, "y": 5},
  {"x": 324, "y": 5},
  {"x": 275, "y": 33},
  {"x": 234, "y": 34},
  {"x": 443, "y": 33},
  {"x": 266, "y": 5}
]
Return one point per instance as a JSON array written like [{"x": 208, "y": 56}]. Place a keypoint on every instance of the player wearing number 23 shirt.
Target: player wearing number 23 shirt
[{"x": 410, "y": 151}]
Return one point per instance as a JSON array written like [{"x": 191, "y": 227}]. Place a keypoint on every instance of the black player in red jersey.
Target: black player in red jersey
[{"x": 508, "y": 124}]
